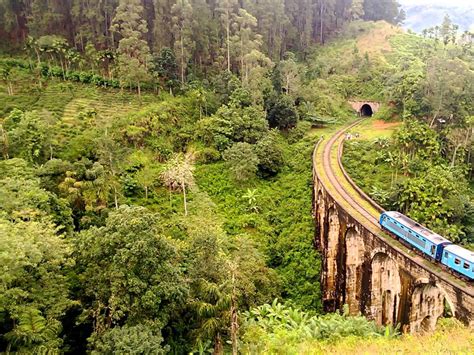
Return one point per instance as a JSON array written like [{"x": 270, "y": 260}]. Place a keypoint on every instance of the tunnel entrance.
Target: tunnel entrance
[{"x": 366, "y": 110}]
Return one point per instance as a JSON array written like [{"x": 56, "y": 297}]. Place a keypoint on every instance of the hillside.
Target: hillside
[{"x": 156, "y": 193}]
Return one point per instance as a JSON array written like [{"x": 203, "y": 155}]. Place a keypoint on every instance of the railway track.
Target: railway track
[{"x": 365, "y": 210}]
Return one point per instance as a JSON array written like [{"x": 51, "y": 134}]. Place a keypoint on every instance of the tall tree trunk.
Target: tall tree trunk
[
  {"x": 5, "y": 142},
  {"x": 228, "y": 39},
  {"x": 183, "y": 186},
  {"x": 182, "y": 57},
  {"x": 218, "y": 345},
  {"x": 241, "y": 58},
  {"x": 453, "y": 160},
  {"x": 321, "y": 29},
  {"x": 234, "y": 326},
  {"x": 115, "y": 198}
]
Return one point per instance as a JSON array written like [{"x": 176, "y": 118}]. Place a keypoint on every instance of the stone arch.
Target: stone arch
[
  {"x": 354, "y": 251},
  {"x": 385, "y": 289},
  {"x": 427, "y": 305},
  {"x": 332, "y": 251},
  {"x": 366, "y": 110}
]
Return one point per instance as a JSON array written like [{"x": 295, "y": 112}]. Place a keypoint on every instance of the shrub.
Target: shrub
[
  {"x": 270, "y": 154},
  {"x": 242, "y": 161}
]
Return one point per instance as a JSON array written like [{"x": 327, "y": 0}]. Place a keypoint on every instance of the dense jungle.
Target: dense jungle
[{"x": 156, "y": 173}]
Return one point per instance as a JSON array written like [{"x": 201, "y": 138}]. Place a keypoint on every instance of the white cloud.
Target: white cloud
[{"x": 450, "y": 3}]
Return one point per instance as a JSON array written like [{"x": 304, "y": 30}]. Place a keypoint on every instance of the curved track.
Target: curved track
[{"x": 365, "y": 210}]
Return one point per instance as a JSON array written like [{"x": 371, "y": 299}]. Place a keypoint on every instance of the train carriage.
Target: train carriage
[
  {"x": 421, "y": 238},
  {"x": 459, "y": 259}
]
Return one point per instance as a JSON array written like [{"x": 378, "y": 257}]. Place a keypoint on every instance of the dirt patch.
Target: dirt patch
[
  {"x": 381, "y": 125},
  {"x": 376, "y": 40}
]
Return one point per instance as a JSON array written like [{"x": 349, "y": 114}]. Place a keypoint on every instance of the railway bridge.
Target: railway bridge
[{"x": 366, "y": 268}]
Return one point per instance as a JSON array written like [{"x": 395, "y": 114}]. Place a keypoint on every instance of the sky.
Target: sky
[
  {"x": 422, "y": 14},
  {"x": 437, "y": 2}
]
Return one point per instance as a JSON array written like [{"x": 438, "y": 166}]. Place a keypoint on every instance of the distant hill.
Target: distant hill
[{"x": 422, "y": 14}]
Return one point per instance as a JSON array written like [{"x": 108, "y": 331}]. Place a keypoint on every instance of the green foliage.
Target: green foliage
[
  {"x": 281, "y": 112},
  {"x": 145, "y": 277},
  {"x": 29, "y": 135},
  {"x": 269, "y": 152},
  {"x": 268, "y": 326},
  {"x": 167, "y": 68},
  {"x": 436, "y": 198},
  {"x": 129, "y": 270},
  {"x": 242, "y": 161},
  {"x": 23, "y": 198},
  {"x": 408, "y": 173},
  {"x": 33, "y": 286},
  {"x": 138, "y": 339},
  {"x": 233, "y": 123}
]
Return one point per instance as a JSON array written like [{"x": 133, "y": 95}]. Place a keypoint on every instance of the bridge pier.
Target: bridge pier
[
  {"x": 385, "y": 289},
  {"x": 427, "y": 305},
  {"x": 354, "y": 256}
]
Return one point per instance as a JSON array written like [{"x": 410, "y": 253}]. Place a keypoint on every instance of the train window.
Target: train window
[
  {"x": 466, "y": 266},
  {"x": 433, "y": 248},
  {"x": 457, "y": 261},
  {"x": 446, "y": 254}
]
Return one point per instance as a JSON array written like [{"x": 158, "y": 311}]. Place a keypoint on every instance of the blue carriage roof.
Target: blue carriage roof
[
  {"x": 418, "y": 228},
  {"x": 463, "y": 253}
]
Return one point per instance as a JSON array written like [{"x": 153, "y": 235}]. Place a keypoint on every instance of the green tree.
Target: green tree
[
  {"x": 167, "y": 68},
  {"x": 388, "y": 10},
  {"x": 242, "y": 161},
  {"x": 226, "y": 8},
  {"x": 270, "y": 153},
  {"x": 234, "y": 123},
  {"x": 128, "y": 270},
  {"x": 134, "y": 56},
  {"x": 357, "y": 9},
  {"x": 5, "y": 75},
  {"x": 436, "y": 198},
  {"x": 34, "y": 291},
  {"x": 281, "y": 112},
  {"x": 182, "y": 18},
  {"x": 30, "y": 135}
]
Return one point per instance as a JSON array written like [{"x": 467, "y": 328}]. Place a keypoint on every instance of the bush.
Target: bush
[
  {"x": 270, "y": 154},
  {"x": 138, "y": 339},
  {"x": 208, "y": 155},
  {"x": 281, "y": 112},
  {"x": 291, "y": 326},
  {"x": 297, "y": 133},
  {"x": 242, "y": 161}
]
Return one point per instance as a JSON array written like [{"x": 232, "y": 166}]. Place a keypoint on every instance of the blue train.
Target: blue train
[{"x": 429, "y": 243}]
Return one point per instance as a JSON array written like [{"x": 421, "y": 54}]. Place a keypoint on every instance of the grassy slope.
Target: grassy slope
[{"x": 450, "y": 337}]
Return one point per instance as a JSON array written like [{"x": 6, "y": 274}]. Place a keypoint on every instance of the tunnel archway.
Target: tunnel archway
[{"x": 366, "y": 110}]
